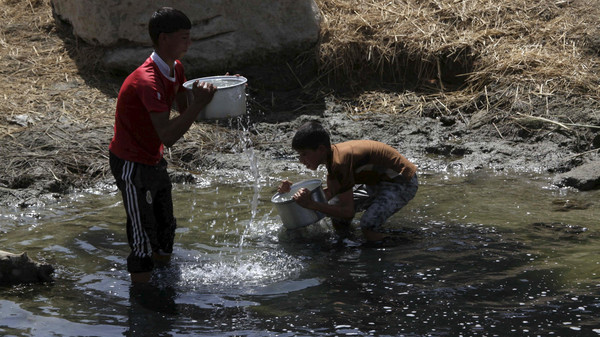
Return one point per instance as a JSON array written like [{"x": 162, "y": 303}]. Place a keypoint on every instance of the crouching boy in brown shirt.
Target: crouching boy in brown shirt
[{"x": 362, "y": 175}]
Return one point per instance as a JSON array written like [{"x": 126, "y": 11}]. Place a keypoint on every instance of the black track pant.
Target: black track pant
[{"x": 146, "y": 192}]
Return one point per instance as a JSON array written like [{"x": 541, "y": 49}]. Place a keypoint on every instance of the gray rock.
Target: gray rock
[
  {"x": 225, "y": 34},
  {"x": 19, "y": 268},
  {"x": 584, "y": 177}
]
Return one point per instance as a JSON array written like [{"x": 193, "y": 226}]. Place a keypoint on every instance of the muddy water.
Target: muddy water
[{"x": 474, "y": 254}]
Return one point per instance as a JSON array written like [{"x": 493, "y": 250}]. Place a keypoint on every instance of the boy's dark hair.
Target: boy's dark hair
[
  {"x": 167, "y": 20},
  {"x": 309, "y": 136}
]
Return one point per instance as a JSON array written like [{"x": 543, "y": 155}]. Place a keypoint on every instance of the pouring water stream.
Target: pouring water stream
[{"x": 248, "y": 149}]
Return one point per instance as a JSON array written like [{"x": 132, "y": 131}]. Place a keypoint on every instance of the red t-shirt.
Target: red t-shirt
[{"x": 145, "y": 91}]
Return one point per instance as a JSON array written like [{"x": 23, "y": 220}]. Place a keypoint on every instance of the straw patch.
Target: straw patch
[{"x": 489, "y": 47}]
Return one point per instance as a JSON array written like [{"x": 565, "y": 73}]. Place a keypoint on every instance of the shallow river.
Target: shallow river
[{"x": 477, "y": 254}]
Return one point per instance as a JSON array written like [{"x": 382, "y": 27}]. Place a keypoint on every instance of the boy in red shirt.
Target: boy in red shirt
[
  {"x": 143, "y": 126},
  {"x": 361, "y": 175}
]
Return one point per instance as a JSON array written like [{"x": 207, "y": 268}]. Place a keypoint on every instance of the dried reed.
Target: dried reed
[{"x": 540, "y": 47}]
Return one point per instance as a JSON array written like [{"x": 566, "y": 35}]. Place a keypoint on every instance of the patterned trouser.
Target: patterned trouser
[{"x": 379, "y": 202}]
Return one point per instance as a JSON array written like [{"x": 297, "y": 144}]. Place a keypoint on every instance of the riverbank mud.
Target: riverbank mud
[
  {"x": 53, "y": 158},
  {"x": 62, "y": 153}
]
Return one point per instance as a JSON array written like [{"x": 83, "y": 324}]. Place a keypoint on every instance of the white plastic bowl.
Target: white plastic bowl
[{"x": 229, "y": 99}]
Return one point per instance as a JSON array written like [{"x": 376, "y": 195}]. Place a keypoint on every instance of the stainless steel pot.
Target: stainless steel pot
[
  {"x": 229, "y": 99},
  {"x": 293, "y": 215}
]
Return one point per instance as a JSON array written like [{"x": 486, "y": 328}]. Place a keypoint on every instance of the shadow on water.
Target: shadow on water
[{"x": 469, "y": 257}]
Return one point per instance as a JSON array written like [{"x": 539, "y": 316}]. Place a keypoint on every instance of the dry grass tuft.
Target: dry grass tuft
[{"x": 459, "y": 50}]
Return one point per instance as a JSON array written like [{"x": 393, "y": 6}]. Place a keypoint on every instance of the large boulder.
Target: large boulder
[
  {"x": 19, "y": 268},
  {"x": 225, "y": 34}
]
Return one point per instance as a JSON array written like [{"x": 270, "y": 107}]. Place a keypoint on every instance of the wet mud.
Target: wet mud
[{"x": 49, "y": 161}]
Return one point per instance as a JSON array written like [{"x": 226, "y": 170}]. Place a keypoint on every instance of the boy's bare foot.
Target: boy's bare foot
[{"x": 373, "y": 236}]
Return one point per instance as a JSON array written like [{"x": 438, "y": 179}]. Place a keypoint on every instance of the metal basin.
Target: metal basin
[
  {"x": 229, "y": 99},
  {"x": 293, "y": 215}
]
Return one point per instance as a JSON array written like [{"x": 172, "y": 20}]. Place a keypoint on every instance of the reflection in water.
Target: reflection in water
[
  {"x": 469, "y": 257},
  {"x": 152, "y": 310}
]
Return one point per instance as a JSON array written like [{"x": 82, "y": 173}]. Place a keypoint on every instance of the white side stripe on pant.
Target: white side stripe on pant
[{"x": 141, "y": 242}]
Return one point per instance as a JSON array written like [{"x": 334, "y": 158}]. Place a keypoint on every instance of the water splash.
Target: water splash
[
  {"x": 246, "y": 146},
  {"x": 240, "y": 272}
]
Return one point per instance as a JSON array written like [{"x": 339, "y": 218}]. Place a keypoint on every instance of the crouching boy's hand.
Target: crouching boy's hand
[
  {"x": 284, "y": 186},
  {"x": 302, "y": 198}
]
